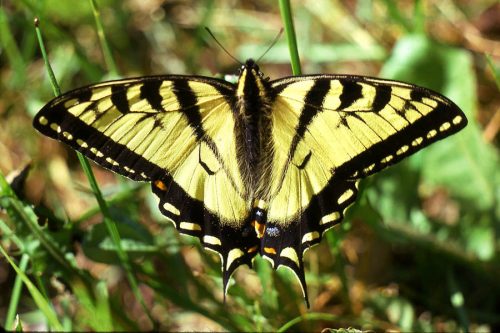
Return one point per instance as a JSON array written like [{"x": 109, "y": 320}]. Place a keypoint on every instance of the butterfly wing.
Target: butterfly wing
[
  {"x": 172, "y": 131},
  {"x": 336, "y": 130}
]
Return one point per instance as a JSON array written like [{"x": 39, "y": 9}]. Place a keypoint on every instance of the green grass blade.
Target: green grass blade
[
  {"x": 50, "y": 72},
  {"x": 286, "y": 16},
  {"x": 307, "y": 317},
  {"x": 15, "y": 295},
  {"x": 419, "y": 17},
  {"x": 18, "y": 325},
  {"x": 40, "y": 301},
  {"x": 494, "y": 71},
  {"x": 108, "y": 57}
]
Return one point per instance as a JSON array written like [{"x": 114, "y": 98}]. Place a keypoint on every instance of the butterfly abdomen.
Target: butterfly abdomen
[{"x": 253, "y": 130}]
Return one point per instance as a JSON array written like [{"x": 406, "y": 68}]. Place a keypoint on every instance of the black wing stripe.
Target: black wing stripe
[
  {"x": 187, "y": 100},
  {"x": 150, "y": 91},
  {"x": 351, "y": 92},
  {"x": 382, "y": 97},
  {"x": 315, "y": 96},
  {"x": 119, "y": 98},
  {"x": 84, "y": 95},
  {"x": 417, "y": 95}
]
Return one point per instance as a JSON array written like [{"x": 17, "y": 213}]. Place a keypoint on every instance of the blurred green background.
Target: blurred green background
[{"x": 419, "y": 251}]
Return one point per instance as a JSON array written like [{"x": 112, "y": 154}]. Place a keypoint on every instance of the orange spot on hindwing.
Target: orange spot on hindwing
[
  {"x": 270, "y": 250},
  {"x": 160, "y": 185},
  {"x": 253, "y": 249}
]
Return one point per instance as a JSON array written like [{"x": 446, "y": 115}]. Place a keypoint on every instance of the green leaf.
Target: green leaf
[
  {"x": 481, "y": 241},
  {"x": 134, "y": 238},
  {"x": 401, "y": 312}
]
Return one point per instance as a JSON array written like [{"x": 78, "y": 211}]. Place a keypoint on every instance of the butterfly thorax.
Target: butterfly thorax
[{"x": 253, "y": 130}]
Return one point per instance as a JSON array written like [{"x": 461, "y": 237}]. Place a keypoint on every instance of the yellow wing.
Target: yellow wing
[
  {"x": 348, "y": 127},
  {"x": 173, "y": 131},
  {"x": 329, "y": 131}
]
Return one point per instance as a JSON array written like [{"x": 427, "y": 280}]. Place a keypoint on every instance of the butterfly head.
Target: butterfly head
[
  {"x": 251, "y": 66},
  {"x": 251, "y": 80}
]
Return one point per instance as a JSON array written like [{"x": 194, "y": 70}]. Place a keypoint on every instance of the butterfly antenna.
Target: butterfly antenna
[
  {"x": 222, "y": 47},
  {"x": 278, "y": 36}
]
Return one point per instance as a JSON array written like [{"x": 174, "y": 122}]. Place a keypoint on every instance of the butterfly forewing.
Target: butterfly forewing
[
  {"x": 352, "y": 127},
  {"x": 171, "y": 131}
]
